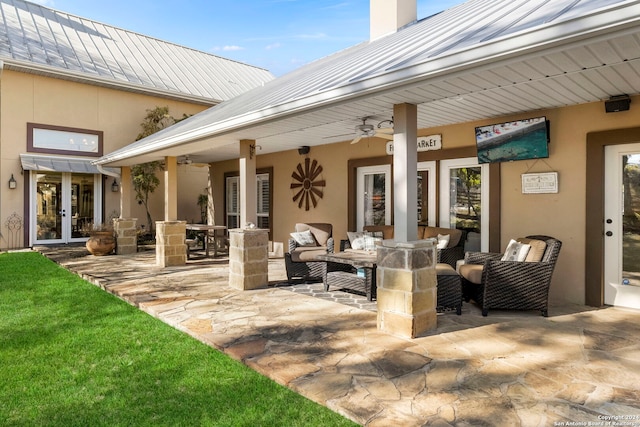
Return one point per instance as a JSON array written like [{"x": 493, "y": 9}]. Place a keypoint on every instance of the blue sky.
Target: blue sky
[{"x": 279, "y": 35}]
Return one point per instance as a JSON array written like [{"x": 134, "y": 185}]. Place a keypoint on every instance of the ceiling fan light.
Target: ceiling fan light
[{"x": 365, "y": 129}]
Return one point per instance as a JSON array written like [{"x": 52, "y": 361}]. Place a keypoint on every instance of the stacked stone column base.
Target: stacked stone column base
[
  {"x": 248, "y": 258},
  {"x": 171, "y": 248},
  {"x": 406, "y": 279},
  {"x": 126, "y": 235}
]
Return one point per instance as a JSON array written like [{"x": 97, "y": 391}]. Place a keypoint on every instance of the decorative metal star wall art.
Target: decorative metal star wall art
[{"x": 309, "y": 187}]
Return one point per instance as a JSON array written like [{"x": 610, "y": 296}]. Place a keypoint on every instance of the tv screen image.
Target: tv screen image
[{"x": 516, "y": 140}]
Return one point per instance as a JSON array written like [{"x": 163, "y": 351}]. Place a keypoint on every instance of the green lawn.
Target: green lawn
[{"x": 74, "y": 355}]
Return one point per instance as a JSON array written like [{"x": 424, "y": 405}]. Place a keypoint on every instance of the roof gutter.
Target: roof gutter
[{"x": 107, "y": 172}]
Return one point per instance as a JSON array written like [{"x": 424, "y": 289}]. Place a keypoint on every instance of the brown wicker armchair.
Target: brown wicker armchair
[
  {"x": 300, "y": 260},
  {"x": 510, "y": 285}
]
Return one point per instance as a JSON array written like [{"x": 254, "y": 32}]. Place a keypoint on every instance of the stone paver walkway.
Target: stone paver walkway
[{"x": 579, "y": 366}]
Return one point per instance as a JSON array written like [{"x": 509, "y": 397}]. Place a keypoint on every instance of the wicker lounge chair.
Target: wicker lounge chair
[
  {"x": 511, "y": 285},
  {"x": 299, "y": 261}
]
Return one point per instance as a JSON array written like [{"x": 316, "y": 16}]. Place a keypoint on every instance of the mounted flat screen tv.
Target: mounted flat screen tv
[{"x": 517, "y": 140}]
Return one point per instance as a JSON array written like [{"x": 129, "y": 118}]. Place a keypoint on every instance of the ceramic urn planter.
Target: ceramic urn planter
[{"x": 101, "y": 243}]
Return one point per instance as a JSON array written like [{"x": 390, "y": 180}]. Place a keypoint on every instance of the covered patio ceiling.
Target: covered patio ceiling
[{"x": 472, "y": 62}]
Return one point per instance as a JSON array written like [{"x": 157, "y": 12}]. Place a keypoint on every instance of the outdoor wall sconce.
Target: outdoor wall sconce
[
  {"x": 13, "y": 184},
  {"x": 617, "y": 103},
  {"x": 115, "y": 187}
]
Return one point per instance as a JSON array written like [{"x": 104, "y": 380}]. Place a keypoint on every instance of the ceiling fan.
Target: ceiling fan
[
  {"x": 185, "y": 160},
  {"x": 367, "y": 130}
]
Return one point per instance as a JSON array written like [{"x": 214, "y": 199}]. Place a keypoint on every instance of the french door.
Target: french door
[
  {"x": 374, "y": 196},
  {"x": 63, "y": 206},
  {"x": 427, "y": 193},
  {"x": 464, "y": 199},
  {"x": 622, "y": 226}
]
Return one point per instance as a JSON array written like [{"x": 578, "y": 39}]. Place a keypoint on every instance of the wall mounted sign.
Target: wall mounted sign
[
  {"x": 308, "y": 184},
  {"x": 425, "y": 143},
  {"x": 537, "y": 183}
]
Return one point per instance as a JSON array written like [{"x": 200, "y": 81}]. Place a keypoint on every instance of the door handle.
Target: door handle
[{"x": 609, "y": 233}]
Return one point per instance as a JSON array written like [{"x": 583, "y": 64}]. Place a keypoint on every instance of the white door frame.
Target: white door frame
[
  {"x": 615, "y": 292},
  {"x": 430, "y": 167},
  {"x": 445, "y": 193},
  {"x": 369, "y": 170},
  {"x": 65, "y": 202}
]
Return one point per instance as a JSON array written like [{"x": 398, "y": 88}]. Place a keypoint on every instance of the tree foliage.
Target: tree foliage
[{"x": 144, "y": 176}]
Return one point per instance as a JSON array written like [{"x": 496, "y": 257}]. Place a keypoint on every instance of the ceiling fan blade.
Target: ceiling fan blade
[
  {"x": 385, "y": 130},
  {"x": 384, "y": 136},
  {"x": 356, "y": 139}
]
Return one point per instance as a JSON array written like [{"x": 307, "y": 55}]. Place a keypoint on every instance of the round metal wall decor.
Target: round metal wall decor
[{"x": 308, "y": 184}]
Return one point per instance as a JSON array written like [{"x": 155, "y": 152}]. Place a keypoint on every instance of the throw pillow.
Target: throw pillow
[
  {"x": 537, "y": 249},
  {"x": 356, "y": 239},
  {"x": 304, "y": 238},
  {"x": 443, "y": 241},
  {"x": 516, "y": 251},
  {"x": 370, "y": 243}
]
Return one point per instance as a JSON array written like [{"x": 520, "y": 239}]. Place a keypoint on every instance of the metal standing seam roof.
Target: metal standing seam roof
[
  {"x": 34, "y": 37},
  {"x": 438, "y": 49}
]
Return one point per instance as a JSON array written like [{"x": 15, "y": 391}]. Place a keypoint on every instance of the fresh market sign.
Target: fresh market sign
[{"x": 425, "y": 143}]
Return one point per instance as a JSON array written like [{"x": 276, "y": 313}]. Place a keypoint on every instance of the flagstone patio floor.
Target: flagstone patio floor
[{"x": 580, "y": 365}]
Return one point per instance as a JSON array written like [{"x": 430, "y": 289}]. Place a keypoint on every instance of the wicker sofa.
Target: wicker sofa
[
  {"x": 300, "y": 260},
  {"x": 511, "y": 285},
  {"x": 453, "y": 252}
]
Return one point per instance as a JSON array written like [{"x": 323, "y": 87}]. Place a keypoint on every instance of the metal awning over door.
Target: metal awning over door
[{"x": 61, "y": 164}]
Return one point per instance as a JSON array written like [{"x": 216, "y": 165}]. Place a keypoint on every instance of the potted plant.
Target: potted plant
[{"x": 101, "y": 238}]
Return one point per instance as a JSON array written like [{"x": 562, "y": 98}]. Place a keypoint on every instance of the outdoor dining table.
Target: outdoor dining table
[{"x": 211, "y": 234}]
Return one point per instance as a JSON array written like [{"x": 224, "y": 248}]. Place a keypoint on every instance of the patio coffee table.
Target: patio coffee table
[{"x": 350, "y": 270}]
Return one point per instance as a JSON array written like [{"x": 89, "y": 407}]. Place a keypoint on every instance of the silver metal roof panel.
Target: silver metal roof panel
[{"x": 31, "y": 34}]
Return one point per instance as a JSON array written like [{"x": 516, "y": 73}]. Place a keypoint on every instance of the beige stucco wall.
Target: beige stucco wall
[
  {"x": 32, "y": 98},
  {"x": 560, "y": 215}
]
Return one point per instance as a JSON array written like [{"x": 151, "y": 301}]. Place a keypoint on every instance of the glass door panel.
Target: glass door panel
[{"x": 82, "y": 204}]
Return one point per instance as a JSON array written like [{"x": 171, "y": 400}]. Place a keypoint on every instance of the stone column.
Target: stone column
[
  {"x": 126, "y": 235},
  {"x": 248, "y": 258},
  {"x": 407, "y": 294},
  {"x": 171, "y": 248}
]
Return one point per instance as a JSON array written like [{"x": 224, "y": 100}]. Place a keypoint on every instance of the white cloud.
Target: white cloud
[
  {"x": 315, "y": 36},
  {"x": 228, "y": 48},
  {"x": 273, "y": 46}
]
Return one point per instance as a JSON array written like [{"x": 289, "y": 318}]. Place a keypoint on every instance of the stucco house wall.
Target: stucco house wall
[
  {"x": 32, "y": 98},
  {"x": 560, "y": 215}
]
